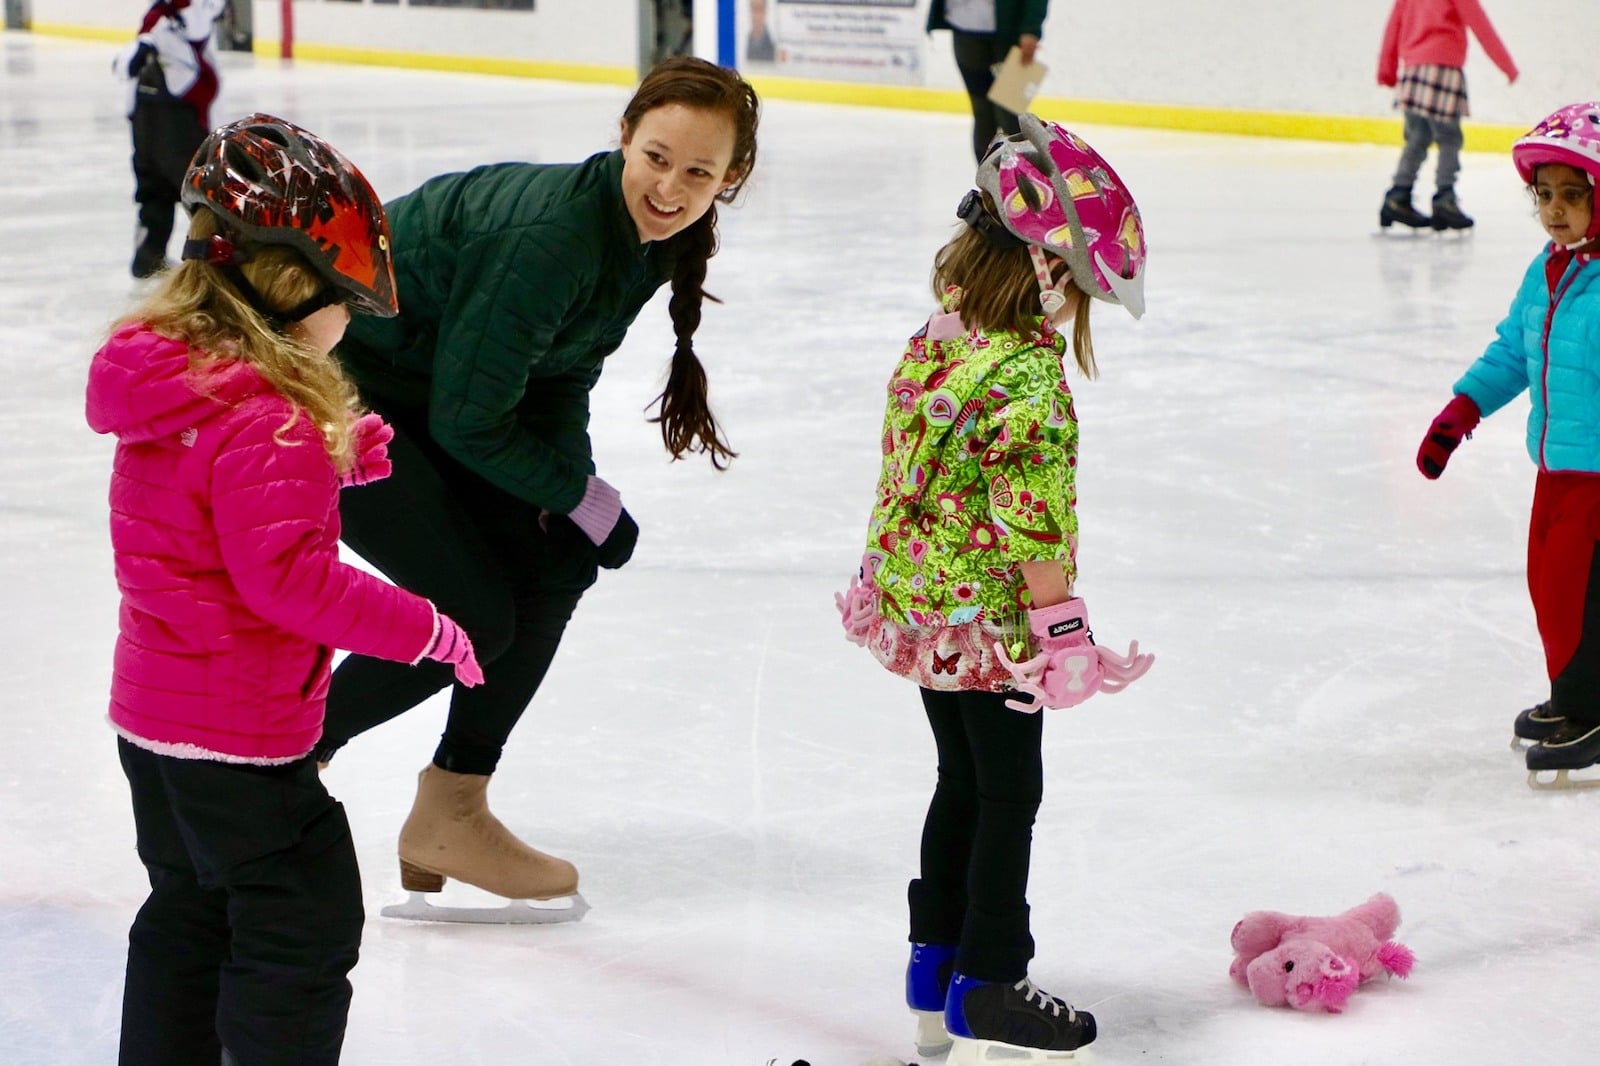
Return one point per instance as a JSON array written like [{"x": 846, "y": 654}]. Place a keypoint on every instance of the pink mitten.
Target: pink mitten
[
  {"x": 856, "y": 610},
  {"x": 450, "y": 645},
  {"x": 369, "y": 438},
  {"x": 1070, "y": 667}
]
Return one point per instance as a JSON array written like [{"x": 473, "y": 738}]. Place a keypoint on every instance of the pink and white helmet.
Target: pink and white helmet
[
  {"x": 1570, "y": 135},
  {"x": 1055, "y": 192}
]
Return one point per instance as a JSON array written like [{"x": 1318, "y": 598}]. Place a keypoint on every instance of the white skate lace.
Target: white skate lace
[{"x": 1046, "y": 1001}]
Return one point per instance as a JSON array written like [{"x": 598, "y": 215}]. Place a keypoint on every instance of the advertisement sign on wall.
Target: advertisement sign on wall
[{"x": 844, "y": 40}]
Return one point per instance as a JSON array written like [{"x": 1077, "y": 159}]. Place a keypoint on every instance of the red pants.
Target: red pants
[{"x": 1563, "y": 536}]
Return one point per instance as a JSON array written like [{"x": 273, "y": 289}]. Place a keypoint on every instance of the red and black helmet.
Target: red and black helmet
[{"x": 271, "y": 182}]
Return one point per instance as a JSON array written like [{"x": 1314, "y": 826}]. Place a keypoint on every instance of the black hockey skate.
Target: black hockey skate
[
  {"x": 1447, "y": 213},
  {"x": 1573, "y": 746},
  {"x": 1397, "y": 208},
  {"x": 1533, "y": 725},
  {"x": 996, "y": 1021}
]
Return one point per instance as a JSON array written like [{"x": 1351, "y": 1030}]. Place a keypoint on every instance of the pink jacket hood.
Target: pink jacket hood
[{"x": 224, "y": 528}]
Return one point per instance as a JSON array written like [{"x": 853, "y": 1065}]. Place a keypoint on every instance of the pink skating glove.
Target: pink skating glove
[
  {"x": 1070, "y": 666},
  {"x": 370, "y": 438},
  {"x": 856, "y": 611},
  {"x": 450, "y": 645}
]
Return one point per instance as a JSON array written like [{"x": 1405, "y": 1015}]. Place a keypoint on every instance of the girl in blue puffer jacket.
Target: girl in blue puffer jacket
[{"x": 1549, "y": 344}]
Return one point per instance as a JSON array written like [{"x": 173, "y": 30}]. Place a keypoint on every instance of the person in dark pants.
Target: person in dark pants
[
  {"x": 985, "y": 31},
  {"x": 965, "y": 582},
  {"x": 517, "y": 281},
  {"x": 235, "y": 429},
  {"x": 253, "y": 879},
  {"x": 171, "y": 68}
]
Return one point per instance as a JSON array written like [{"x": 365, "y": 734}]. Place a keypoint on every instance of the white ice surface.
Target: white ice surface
[{"x": 1341, "y": 645}]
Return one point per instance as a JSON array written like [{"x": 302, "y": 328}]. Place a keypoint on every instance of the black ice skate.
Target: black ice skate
[
  {"x": 1013, "y": 1023},
  {"x": 1533, "y": 725},
  {"x": 1447, "y": 214},
  {"x": 1397, "y": 208},
  {"x": 1573, "y": 746}
]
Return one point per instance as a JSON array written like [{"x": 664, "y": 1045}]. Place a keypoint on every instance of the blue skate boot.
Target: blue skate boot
[
  {"x": 927, "y": 980},
  {"x": 991, "y": 1021}
]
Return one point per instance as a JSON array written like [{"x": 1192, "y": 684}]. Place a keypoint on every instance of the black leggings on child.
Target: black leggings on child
[
  {"x": 978, "y": 836},
  {"x": 253, "y": 919},
  {"x": 485, "y": 559}
]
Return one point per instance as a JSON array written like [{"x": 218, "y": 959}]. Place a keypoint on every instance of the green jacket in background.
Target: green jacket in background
[
  {"x": 1012, "y": 18},
  {"x": 515, "y": 280}
]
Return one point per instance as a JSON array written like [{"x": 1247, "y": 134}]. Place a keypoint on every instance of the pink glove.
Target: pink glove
[
  {"x": 369, "y": 438},
  {"x": 1070, "y": 667},
  {"x": 450, "y": 645},
  {"x": 856, "y": 610},
  {"x": 598, "y": 511}
]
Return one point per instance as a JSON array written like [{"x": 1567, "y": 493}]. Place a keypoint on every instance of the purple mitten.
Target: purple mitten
[
  {"x": 450, "y": 645},
  {"x": 369, "y": 439},
  {"x": 1070, "y": 667},
  {"x": 598, "y": 511}
]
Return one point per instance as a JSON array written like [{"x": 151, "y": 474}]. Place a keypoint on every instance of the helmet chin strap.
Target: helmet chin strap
[
  {"x": 1051, "y": 295},
  {"x": 226, "y": 257}
]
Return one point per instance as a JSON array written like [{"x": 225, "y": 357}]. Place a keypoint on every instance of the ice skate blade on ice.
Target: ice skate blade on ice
[
  {"x": 416, "y": 908},
  {"x": 933, "y": 1039},
  {"x": 969, "y": 1052},
  {"x": 1561, "y": 782}
]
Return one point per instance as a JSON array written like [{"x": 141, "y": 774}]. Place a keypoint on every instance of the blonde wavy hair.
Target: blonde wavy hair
[
  {"x": 1000, "y": 292},
  {"x": 196, "y": 304}
]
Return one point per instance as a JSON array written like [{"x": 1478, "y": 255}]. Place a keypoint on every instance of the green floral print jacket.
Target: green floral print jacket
[{"x": 980, "y": 445}]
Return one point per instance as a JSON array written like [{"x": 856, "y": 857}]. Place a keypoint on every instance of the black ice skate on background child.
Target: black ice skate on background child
[
  {"x": 965, "y": 586},
  {"x": 1424, "y": 47},
  {"x": 1548, "y": 342}
]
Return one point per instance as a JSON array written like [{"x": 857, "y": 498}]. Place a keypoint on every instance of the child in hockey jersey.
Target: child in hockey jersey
[
  {"x": 1549, "y": 344},
  {"x": 235, "y": 430},
  {"x": 171, "y": 71},
  {"x": 1424, "y": 48},
  {"x": 966, "y": 584}
]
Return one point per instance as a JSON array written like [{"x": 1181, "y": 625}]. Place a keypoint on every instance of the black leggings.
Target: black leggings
[
  {"x": 978, "y": 836},
  {"x": 483, "y": 557},
  {"x": 976, "y": 54}
]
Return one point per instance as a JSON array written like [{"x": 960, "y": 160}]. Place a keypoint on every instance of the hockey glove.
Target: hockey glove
[
  {"x": 1457, "y": 420},
  {"x": 856, "y": 610},
  {"x": 450, "y": 645},
  {"x": 1070, "y": 667},
  {"x": 369, "y": 439}
]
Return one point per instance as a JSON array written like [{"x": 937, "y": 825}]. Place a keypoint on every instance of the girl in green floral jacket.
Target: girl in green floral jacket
[{"x": 966, "y": 583}]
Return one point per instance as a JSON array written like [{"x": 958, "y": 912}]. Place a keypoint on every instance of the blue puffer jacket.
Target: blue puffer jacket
[{"x": 1556, "y": 357}]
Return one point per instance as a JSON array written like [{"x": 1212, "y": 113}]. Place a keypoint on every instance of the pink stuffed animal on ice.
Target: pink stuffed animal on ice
[{"x": 1316, "y": 963}]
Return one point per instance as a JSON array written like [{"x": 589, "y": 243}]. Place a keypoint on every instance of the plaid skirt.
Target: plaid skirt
[{"x": 1440, "y": 93}]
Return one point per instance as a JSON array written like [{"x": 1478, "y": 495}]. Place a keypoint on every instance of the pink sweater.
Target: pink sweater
[
  {"x": 225, "y": 531},
  {"x": 1434, "y": 33}
]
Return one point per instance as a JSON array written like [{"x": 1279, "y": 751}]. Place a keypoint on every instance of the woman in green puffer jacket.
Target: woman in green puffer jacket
[{"x": 515, "y": 282}]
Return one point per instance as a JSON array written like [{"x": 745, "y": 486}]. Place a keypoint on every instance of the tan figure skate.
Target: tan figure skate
[{"x": 451, "y": 833}]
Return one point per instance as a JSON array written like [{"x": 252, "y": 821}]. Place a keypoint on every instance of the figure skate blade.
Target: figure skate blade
[{"x": 416, "y": 908}]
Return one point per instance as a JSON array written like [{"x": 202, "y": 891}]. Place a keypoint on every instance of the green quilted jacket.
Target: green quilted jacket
[
  {"x": 1013, "y": 18},
  {"x": 516, "y": 280}
]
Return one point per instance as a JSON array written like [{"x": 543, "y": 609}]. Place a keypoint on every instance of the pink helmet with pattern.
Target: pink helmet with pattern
[
  {"x": 1570, "y": 135},
  {"x": 1055, "y": 192}
]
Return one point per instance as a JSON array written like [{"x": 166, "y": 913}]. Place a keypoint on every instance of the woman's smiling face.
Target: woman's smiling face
[{"x": 674, "y": 163}]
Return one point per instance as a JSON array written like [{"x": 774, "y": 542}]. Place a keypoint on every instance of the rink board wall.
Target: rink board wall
[{"x": 1299, "y": 68}]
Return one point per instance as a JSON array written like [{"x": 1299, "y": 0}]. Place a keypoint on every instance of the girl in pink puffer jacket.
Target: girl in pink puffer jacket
[{"x": 235, "y": 430}]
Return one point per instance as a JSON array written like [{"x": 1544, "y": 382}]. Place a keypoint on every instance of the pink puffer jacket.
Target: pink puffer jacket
[{"x": 225, "y": 529}]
